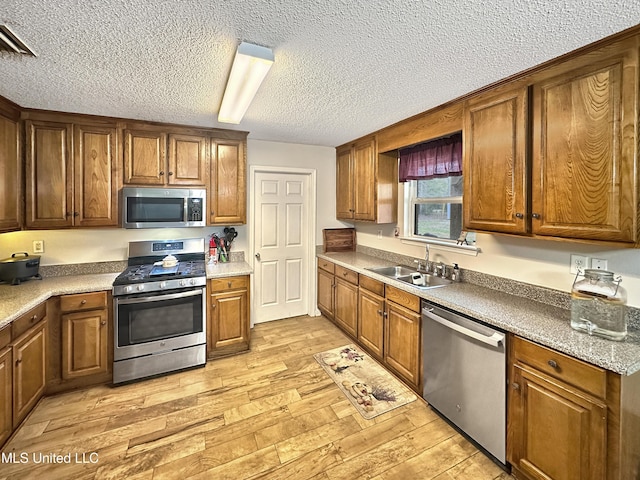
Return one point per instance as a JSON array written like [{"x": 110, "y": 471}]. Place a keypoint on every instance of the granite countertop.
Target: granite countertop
[
  {"x": 534, "y": 320},
  {"x": 16, "y": 300}
]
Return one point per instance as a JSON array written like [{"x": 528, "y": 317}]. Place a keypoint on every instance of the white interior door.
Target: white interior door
[{"x": 281, "y": 245}]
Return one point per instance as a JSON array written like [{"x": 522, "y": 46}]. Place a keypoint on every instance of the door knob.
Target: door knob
[{"x": 258, "y": 255}]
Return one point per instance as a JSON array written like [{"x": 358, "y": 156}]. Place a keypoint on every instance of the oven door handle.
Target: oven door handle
[{"x": 157, "y": 298}]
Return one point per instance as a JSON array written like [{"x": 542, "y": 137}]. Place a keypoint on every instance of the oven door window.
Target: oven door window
[
  {"x": 151, "y": 318},
  {"x": 146, "y": 210}
]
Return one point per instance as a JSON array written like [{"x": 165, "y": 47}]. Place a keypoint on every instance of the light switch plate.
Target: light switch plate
[{"x": 38, "y": 246}]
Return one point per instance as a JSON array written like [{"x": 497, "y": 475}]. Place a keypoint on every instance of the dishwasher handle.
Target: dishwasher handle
[{"x": 495, "y": 339}]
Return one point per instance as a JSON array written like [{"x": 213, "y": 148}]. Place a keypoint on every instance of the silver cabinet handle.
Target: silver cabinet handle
[{"x": 258, "y": 255}]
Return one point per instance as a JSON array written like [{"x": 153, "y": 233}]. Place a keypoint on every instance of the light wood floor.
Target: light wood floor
[{"x": 270, "y": 413}]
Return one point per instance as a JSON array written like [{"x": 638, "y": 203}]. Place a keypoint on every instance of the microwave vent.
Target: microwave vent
[{"x": 9, "y": 42}]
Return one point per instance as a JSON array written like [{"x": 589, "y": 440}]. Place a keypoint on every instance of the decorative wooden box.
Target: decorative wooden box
[{"x": 339, "y": 239}]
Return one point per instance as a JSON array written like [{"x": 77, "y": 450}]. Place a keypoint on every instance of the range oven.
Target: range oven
[{"x": 159, "y": 312}]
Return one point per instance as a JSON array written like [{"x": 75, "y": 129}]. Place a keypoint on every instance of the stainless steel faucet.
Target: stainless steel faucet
[{"x": 426, "y": 259}]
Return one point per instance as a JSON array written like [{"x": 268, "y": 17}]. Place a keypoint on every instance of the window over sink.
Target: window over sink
[{"x": 433, "y": 186}]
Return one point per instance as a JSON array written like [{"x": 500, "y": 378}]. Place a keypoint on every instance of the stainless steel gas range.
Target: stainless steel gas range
[{"x": 159, "y": 309}]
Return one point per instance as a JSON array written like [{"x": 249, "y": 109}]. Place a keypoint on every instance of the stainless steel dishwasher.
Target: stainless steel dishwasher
[{"x": 465, "y": 375}]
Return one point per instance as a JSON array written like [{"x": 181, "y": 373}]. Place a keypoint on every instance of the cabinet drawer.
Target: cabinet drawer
[
  {"x": 575, "y": 372},
  {"x": 83, "y": 301},
  {"x": 229, "y": 283},
  {"x": 28, "y": 320},
  {"x": 326, "y": 265},
  {"x": 346, "y": 274},
  {"x": 371, "y": 284},
  {"x": 403, "y": 298}
]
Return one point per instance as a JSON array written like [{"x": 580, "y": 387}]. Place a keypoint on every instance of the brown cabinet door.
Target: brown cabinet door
[
  {"x": 584, "y": 147},
  {"x": 145, "y": 157},
  {"x": 346, "y": 306},
  {"x": 11, "y": 178},
  {"x": 228, "y": 317},
  {"x": 402, "y": 343},
  {"x": 555, "y": 431},
  {"x": 227, "y": 195},
  {"x": 344, "y": 184},
  {"x": 364, "y": 174},
  {"x": 96, "y": 175},
  {"x": 495, "y": 163},
  {"x": 29, "y": 370},
  {"x": 49, "y": 174},
  {"x": 84, "y": 343},
  {"x": 187, "y": 160},
  {"x": 326, "y": 284},
  {"x": 371, "y": 322},
  {"x": 6, "y": 399}
]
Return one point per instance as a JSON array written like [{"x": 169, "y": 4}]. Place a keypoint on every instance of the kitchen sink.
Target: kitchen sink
[
  {"x": 406, "y": 274},
  {"x": 425, "y": 281},
  {"x": 393, "y": 272}
]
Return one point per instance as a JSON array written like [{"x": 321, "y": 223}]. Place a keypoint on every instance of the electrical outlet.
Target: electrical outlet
[
  {"x": 579, "y": 262},
  {"x": 38, "y": 246},
  {"x": 599, "y": 264}
]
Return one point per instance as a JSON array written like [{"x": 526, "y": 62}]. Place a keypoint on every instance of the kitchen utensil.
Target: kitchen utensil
[
  {"x": 20, "y": 266},
  {"x": 169, "y": 261}
]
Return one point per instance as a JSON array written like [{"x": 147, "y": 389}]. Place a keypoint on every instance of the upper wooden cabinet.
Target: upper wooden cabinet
[
  {"x": 10, "y": 168},
  {"x": 145, "y": 157},
  {"x": 495, "y": 136},
  {"x": 366, "y": 183},
  {"x": 72, "y": 174},
  {"x": 227, "y": 192},
  {"x": 188, "y": 159},
  {"x": 580, "y": 176},
  {"x": 585, "y": 114},
  {"x": 96, "y": 175},
  {"x": 146, "y": 161}
]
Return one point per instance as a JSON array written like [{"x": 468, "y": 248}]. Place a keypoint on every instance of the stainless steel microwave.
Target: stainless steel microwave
[{"x": 147, "y": 207}]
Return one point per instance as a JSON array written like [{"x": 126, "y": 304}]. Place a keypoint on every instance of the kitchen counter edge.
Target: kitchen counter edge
[
  {"x": 16, "y": 300},
  {"x": 544, "y": 324}
]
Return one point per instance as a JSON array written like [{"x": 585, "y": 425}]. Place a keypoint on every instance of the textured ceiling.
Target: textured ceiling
[{"x": 344, "y": 68}]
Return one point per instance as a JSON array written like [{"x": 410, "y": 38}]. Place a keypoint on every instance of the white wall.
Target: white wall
[
  {"x": 538, "y": 262},
  {"x": 322, "y": 159},
  {"x": 110, "y": 244}
]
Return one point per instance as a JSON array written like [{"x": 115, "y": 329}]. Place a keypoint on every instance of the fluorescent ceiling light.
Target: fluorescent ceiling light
[{"x": 250, "y": 66}]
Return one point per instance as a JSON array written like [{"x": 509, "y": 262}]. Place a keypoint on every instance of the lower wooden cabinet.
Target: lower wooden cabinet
[
  {"x": 326, "y": 287},
  {"x": 84, "y": 343},
  {"x": 346, "y": 306},
  {"x": 6, "y": 394},
  {"x": 228, "y": 316},
  {"x": 563, "y": 431},
  {"x": 402, "y": 351},
  {"x": 29, "y": 370},
  {"x": 84, "y": 322},
  {"x": 371, "y": 320},
  {"x": 568, "y": 419}
]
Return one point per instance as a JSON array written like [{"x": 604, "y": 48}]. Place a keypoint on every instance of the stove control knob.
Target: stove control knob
[
  {"x": 128, "y": 288},
  {"x": 183, "y": 283},
  {"x": 140, "y": 288},
  {"x": 192, "y": 281},
  {"x": 163, "y": 284}
]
